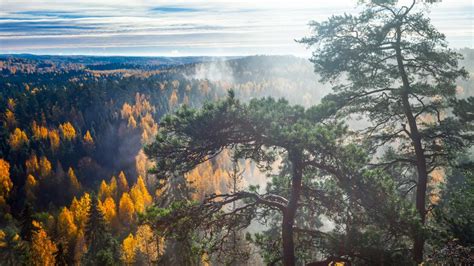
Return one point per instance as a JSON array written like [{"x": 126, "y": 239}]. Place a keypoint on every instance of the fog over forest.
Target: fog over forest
[{"x": 358, "y": 151}]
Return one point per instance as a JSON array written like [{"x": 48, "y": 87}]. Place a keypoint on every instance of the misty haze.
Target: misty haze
[{"x": 236, "y": 133}]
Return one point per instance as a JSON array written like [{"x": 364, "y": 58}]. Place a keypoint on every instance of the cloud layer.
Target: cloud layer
[{"x": 144, "y": 27}]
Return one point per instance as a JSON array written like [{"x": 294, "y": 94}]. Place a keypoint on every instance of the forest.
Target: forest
[{"x": 361, "y": 155}]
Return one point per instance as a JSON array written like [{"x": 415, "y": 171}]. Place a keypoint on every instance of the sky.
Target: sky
[{"x": 189, "y": 27}]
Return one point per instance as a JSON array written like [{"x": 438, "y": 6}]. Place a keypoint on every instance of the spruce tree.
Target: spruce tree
[{"x": 102, "y": 248}]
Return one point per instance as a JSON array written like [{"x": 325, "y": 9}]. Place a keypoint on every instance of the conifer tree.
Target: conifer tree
[{"x": 102, "y": 248}]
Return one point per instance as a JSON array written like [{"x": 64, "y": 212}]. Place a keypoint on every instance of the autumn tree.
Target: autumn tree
[
  {"x": 32, "y": 164},
  {"x": 54, "y": 140},
  {"x": 104, "y": 190},
  {"x": 140, "y": 195},
  {"x": 80, "y": 208},
  {"x": 30, "y": 187},
  {"x": 66, "y": 225},
  {"x": 109, "y": 210},
  {"x": 126, "y": 209},
  {"x": 45, "y": 167},
  {"x": 122, "y": 183},
  {"x": 17, "y": 139},
  {"x": 88, "y": 140},
  {"x": 68, "y": 132},
  {"x": 129, "y": 249},
  {"x": 392, "y": 65},
  {"x": 39, "y": 132},
  {"x": 113, "y": 188},
  {"x": 42, "y": 247},
  {"x": 74, "y": 185},
  {"x": 6, "y": 183},
  {"x": 149, "y": 244}
]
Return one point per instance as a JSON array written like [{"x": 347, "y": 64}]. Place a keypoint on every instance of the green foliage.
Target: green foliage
[
  {"x": 452, "y": 231},
  {"x": 102, "y": 248}
]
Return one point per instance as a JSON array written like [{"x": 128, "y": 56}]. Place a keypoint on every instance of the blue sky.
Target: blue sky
[{"x": 183, "y": 28}]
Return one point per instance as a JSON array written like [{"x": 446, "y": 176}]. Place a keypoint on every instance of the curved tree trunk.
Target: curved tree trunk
[
  {"x": 290, "y": 211},
  {"x": 419, "y": 153}
]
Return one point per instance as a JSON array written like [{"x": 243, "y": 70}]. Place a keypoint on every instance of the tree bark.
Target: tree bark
[
  {"x": 290, "y": 211},
  {"x": 419, "y": 153}
]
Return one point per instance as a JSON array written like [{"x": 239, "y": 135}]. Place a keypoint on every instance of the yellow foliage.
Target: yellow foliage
[
  {"x": 10, "y": 118},
  {"x": 44, "y": 167},
  {"x": 131, "y": 122},
  {"x": 122, "y": 182},
  {"x": 80, "y": 209},
  {"x": 126, "y": 209},
  {"x": 75, "y": 186},
  {"x": 129, "y": 249},
  {"x": 17, "y": 139},
  {"x": 149, "y": 127},
  {"x": 67, "y": 131},
  {"x": 66, "y": 225},
  {"x": 126, "y": 111},
  {"x": 104, "y": 190},
  {"x": 113, "y": 187},
  {"x": 30, "y": 187},
  {"x": 206, "y": 180},
  {"x": 32, "y": 164},
  {"x": 42, "y": 248},
  {"x": 149, "y": 244},
  {"x": 144, "y": 191},
  {"x": 6, "y": 183},
  {"x": 173, "y": 100},
  {"x": 39, "y": 132},
  {"x": 141, "y": 163},
  {"x": 137, "y": 198},
  {"x": 88, "y": 138},
  {"x": 3, "y": 242},
  {"x": 108, "y": 209},
  {"x": 53, "y": 139}
]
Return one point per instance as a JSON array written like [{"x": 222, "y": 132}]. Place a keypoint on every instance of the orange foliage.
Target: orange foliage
[
  {"x": 122, "y": 183},
  {"x": 173, "y": 100},
  {"x": 67, "y": 131},
  {"x": 113, "y": 187},
  {"x": 88, "y": 138},
  {"x": 66, "y": 225},
  {"x": 108, "y": 209},
  {"x": 126, "y": 209},
  {"x": 74, "y": 184},
  {"x": 42, "y": 247},
  {"x": 44, "y": 167},
  {"x": 32, "y": 164},
  {"x": 131, "y": 122},
  {"x": 129, "y": 249},
  {"x": 39, "y": 132},
  {"x": 10, "y": 118},
  {"x": 126, "y": 111},
  {"x": 80, "y": 209},
  {"x": 104, "y": 190},
  {"x": 30, "y": 187},
  {"x": 6, "y": 184},
  {"x": 149, "y": 244},
  {"x": 54, "y": 139},
  {"x": 17, "y": 139}
]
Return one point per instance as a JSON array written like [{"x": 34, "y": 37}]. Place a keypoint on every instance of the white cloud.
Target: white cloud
[{"x": 246, "y": 26}]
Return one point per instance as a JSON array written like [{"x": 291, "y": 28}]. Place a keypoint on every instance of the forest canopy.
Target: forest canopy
[{"x": 361, "y": 155}]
